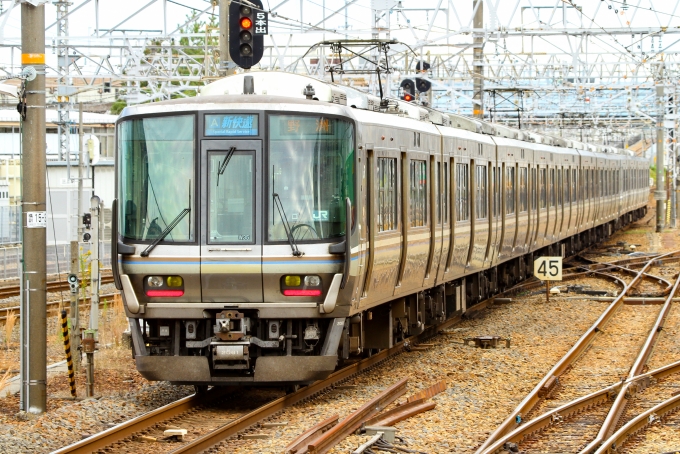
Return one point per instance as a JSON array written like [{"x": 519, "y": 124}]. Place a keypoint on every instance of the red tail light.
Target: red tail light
[
  {"x": 294, "y": 292},
  {"x": 165, "y": 293}
]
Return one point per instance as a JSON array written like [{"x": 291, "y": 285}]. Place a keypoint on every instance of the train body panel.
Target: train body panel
[{"x": 261, "y": 237}]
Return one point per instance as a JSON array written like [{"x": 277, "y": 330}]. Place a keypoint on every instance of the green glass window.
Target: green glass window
[
  {"x": 231, "y": 208},
  {"x": 156, "y": 178},
  {"x": 310, "y": 174}
]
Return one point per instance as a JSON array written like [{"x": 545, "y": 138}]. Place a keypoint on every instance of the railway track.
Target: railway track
[
  {"x": 576, "y": 414},
  {"x": 197, "y": 411},
  {"x": 54, "y": 286},
  {"x": 53, "y": 306}
]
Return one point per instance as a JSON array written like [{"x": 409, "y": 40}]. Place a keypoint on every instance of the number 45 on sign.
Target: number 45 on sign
[{"x": 548, "y": 269}]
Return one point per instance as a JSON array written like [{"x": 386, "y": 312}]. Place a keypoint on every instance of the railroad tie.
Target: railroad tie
[{"x": 67, "y": 349}]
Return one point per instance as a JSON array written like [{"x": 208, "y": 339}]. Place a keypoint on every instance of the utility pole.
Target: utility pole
[
  {"x": 660, "y": 194},
  {"x": 478, "y": 61},
  {"x": 227, "y": 67},
  {"x": 672, "y": 152},
  {"x": 34, "y": 217}
]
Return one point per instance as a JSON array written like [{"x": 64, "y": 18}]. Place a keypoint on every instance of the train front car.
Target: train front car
[{"x": 232, "y": 215}]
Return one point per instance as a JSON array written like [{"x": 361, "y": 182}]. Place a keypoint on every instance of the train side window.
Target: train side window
[
  {"x": 462, "y": 202},
  {"x": 566, "y": 186},
  {"x": 510, "y": 188},
  {"x": 523, "y": 194},
  {"x": 496, "y": 191},
  {"x": 418, "y": 182},
  {"x": 481, "y": 196},
  {"x": 543, "y": 201},
  {"x": 552, "y": 187},
  {"x": 387, "y": 194},
  {"x": 574, "y": 185},
  {"x": 558, "y": 189}
]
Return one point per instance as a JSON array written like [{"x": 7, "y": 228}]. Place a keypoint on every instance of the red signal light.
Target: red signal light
[
  {"x": 246, "y": 22},
  {"x": 408, "y": 97}
]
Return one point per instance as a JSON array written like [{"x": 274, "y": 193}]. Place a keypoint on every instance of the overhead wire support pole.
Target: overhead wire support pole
[
  {"x": 660, "y": 194},
  {"x": 34, "y": 216},
  {"x": 478, "y": 61}
]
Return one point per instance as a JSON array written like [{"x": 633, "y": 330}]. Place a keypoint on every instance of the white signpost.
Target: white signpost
[{"x": 548, "y": 269}]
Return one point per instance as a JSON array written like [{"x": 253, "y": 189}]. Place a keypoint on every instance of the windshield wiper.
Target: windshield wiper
[
  {"x": 286, "y": 226},
  {"x": 168, "y": 229},
  {"x": 225, "y": 163}
]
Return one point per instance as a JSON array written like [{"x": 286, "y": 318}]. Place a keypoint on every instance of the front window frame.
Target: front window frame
[
  {"x": 267, "y": 203},
  {"x": 195, "y": 209}
]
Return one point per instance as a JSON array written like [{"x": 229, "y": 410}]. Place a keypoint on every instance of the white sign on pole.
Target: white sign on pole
[
  {"x": 36, "y": 219},
  {"x": 548, "y": 268}
]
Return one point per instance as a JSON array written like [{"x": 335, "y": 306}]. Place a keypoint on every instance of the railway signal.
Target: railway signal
[
  {"x": 247, "y": 26},
  {"x": 408, "y": 90}
]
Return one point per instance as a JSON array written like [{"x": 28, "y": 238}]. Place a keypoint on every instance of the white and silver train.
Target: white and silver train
[{"x": 277, "y": 223}]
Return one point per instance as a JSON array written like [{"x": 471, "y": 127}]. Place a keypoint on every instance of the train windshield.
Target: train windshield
[
  {"x": 156, "y": 161},
  {"x": 310, "y": 173}
]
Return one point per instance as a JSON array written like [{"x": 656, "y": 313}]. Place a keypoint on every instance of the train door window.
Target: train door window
[
  {"x": 567, "y": 185},
  {"x": 542, "y": 195},
  {"x": 230, "y": 204},
  {"x": 558, "y": 189},
  {"x": 445, "y": 194},
  {"x": 481, "y": 195},
  {"x": 387, "y": 194},
  {"x": 418, "y": 182},
  {"x": 495, "y": 171},
  {"x": 534, "y": 190},
  {"x": 438, "y": 192},
  {"x": 510, "y": 188},
  {"x": 552, "y": 187},
  {"x": 523, "y": 194},
  {"x": 462, "y": 196},
  {"x": 574, "y": 186}
]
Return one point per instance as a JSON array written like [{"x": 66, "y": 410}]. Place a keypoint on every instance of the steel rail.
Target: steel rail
[
  {"x": 530, "y": 401},
  {"x": 574, "y": 407},
  {"x": 639, "y": 423},
  {"x": 121, "y": 431},
  {"x": 55, "y": 286},
  {"x": 616, "y": 410},
  {"x": 218, "y": 435},
  {"x": 53, "y": 306}
]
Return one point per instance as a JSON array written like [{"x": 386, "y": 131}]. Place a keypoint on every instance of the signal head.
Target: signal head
[{"x": 246, "y": 22}]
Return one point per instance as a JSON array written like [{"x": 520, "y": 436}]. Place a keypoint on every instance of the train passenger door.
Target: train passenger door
[{"x": 231, "y": 239}]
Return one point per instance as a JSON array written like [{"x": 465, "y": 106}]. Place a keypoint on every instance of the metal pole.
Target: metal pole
[
  {"x": 660, "y": 194},
  {"x": 94, "y": 263},
  {"x": 34, "y": 209},
  {"x": 227, "y": 68},
  {"x": 75, "y": 315},
  {"x": 478, "y": 61},
  {"x": 88, "y": 348}
]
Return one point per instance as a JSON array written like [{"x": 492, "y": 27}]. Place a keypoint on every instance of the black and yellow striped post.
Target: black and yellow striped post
[{"x": 67, "y": 349}]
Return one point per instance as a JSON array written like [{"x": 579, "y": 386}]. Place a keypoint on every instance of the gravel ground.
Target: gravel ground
[{"x": 483, "y": 385}]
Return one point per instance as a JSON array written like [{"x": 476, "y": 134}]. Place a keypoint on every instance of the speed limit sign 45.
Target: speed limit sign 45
[{"x": 548, "y": 268}]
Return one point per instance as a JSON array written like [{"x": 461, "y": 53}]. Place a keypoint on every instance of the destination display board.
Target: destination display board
[
  {"x": 306, "y": 126},
  {"x": 230, "y": 125}
]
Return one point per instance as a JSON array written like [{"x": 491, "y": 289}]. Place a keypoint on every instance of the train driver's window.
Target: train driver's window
[
  {"x": 387, "y": 194},
  {"x": 230, "y": 199}
]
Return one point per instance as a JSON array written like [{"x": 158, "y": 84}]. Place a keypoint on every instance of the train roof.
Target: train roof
[{"x": 283, "y": 88}]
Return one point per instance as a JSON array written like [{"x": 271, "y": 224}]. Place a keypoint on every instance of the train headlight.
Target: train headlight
[
  {"x": 292, "y": 281},
  {"x": 312, "y": 281},
  {"x": 154, "y": 281},
  {"x": 175, "y": 281}
]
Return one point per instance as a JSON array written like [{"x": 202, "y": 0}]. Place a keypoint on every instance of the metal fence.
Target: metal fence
[{"x": 58, "y": 258}]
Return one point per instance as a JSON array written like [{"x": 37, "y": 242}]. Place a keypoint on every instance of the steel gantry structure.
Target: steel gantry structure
[{"x": 559, "y": 66}]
